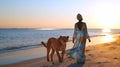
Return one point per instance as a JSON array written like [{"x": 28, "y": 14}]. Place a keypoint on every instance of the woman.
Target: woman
[{"x": 79, "y": 39}]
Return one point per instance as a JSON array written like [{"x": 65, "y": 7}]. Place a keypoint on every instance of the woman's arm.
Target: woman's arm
[
  {"x": 86, "y": 32},
  {"x": 75, "y": 32}
]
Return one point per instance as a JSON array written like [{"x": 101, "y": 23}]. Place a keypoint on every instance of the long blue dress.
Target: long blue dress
[{"x": 80, "y": 36}]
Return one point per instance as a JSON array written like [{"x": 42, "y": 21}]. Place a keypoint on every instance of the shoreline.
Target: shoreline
[
  {"x": 33, "y": 53},
  {"x": 92, "y": 52}
]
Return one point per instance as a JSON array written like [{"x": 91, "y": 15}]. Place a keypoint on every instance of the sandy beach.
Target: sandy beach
[{"x": 97, "y": 55}]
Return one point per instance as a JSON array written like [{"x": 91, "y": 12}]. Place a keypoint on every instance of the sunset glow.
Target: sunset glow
[
  {"x": 106, "y": 30},
  {"x": 59, "y": 14},
  {"x": 107, "y": 15}
]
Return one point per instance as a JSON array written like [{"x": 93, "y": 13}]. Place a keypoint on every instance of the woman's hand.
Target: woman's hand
[{"x": 89, "y": 40}]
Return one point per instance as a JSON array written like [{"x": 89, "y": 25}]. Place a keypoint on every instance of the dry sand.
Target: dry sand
[{"x": 100, "y": 55}]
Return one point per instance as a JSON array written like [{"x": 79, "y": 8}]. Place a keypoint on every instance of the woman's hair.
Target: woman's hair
[{"x": 79, "y": 17}]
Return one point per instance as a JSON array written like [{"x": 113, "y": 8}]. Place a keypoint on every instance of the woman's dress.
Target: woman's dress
[{"x": 80, "y": 36}]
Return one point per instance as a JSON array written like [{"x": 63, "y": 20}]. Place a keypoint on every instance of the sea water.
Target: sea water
[{"x": 12, "y": 40}]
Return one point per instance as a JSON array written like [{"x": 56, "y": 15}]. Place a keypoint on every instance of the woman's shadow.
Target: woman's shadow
[{"x": 75, "y": 65}]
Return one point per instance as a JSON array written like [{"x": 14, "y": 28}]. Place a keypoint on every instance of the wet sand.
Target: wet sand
[{"x": 97, "y": 55}]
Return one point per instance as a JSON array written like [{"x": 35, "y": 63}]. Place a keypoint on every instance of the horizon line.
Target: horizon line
[{"x": 50, "y": 28}]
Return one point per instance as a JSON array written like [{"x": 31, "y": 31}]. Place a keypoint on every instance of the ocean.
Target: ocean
[
  {"x": 18, "y": 45},
  {"x": 19, "y": 39}
]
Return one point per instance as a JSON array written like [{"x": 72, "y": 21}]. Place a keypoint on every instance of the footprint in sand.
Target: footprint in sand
[
  {"x": 102, "y": 62},
  {"x": 115, "y": 58},
  {"x": 87, "y": 50},
  {"x": 102, "y": 51},
  {"x": 112, "y": 48},
  {"x": 91, "y": 55},
  {"x": 88, "y": 59}
]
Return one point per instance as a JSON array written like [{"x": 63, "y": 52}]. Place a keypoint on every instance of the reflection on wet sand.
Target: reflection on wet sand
[{"x": 108, "y": 38}]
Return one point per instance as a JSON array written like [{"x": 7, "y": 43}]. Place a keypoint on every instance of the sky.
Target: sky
[{"x": 59, "y": 13}]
